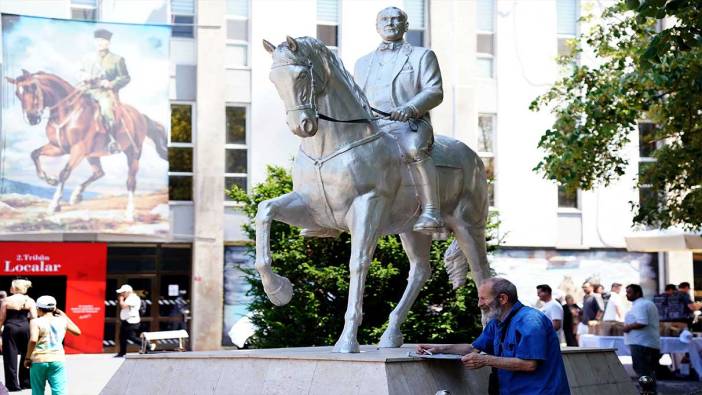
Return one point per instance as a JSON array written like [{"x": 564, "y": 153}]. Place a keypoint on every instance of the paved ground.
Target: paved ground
[
  {"x": 679, "y": 387},
  {"x": 87, "y": 373}
]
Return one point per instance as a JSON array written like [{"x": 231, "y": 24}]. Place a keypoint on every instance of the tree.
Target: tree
[
  {"x": 318, "y": 269},
  {"x": 641, "y": 73}
]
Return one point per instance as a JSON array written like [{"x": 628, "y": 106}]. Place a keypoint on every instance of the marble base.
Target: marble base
[{"x": 316, "y": 370}]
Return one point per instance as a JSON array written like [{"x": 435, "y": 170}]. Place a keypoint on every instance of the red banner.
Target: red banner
[{"x": 84, "y": 267}]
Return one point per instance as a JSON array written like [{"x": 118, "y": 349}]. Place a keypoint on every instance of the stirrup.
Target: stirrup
[
  {"x": 113, "y": 147},
  {"x": 308, "y": 232},
  {"x": 429, "y": 223}
]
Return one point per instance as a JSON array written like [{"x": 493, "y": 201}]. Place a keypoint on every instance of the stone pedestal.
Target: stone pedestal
[{"x": 316, "y": 370}]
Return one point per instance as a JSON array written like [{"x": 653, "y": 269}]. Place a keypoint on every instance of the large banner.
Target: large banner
[
  {"x": 85, "y": 124},
  {"x": 73, "y": 273}
]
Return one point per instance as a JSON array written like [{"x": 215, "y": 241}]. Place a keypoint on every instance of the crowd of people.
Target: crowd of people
[
  {"x": 33, "y": 333},
  {"x": 32, "y": 340},
  {"x": 604, "y": 313},
  {"x": 641, "y": 321}
]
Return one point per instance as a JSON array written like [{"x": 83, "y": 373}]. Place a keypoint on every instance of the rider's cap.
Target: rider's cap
[
  {"x": 103, "y": 33},
  {"x": 46, "y": 302}
]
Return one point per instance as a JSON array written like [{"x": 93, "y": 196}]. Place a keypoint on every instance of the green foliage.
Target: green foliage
[
  {"x": 638, "y": 74},
  {"x": 318, "y": 270}
]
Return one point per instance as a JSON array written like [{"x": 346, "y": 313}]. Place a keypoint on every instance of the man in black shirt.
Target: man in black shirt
[{"x": 592, "y": 310}]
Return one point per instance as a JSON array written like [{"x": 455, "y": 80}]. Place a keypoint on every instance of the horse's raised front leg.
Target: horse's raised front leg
[
  {"x": 45, "y": 150},
  {"x": 288, "y": 208},
  {"x": 77, "y": 154},
  {"x": 418, "y": 248},
  {"x": 77, "y": 195},
  {"x": 364, "y": 219}
]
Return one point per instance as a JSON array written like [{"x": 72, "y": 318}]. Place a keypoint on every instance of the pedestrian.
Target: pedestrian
[
  {"x": 674, "y": 310},
  {"x": 592, "y": 311},
  {"x": 519, "y": 343},
  {"x": 45, "y": 355},
  {"x": 571, "y": 320},
  {"x": 129, "y": 303},
  {"x": 551, "y": 308},
  {"x": 613, "y": 318},
  {"x": 690, "y": 305},
  {"x": 15, "y": 313},
  {"x": 641, "y": 332}
]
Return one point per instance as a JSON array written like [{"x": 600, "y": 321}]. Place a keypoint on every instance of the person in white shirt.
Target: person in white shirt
[
  {"x": 613, "y": 318},
  {"x": 641, "y": 332},
  {"x": 551, "y": 309},
  {"x": 129, "y": 303}
]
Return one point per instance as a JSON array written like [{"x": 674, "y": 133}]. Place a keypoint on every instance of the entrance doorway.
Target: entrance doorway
[
  {"x": 160, "y": 276},
  {"x": 41, "y": 285}
]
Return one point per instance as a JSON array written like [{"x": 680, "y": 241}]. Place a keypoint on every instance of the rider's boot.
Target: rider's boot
[
  {"x": 112, "y": 145},
  {"x": 425, "y": 179}
]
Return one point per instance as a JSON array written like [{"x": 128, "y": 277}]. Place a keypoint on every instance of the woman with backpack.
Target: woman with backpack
[
  {"x": 130, "y": 304},
  {"x": 45, "y": 355}
]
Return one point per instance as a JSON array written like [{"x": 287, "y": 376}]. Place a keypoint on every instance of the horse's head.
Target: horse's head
[
  {"x": 298, "y": 76},
  {"x": 30, "y": 94}
]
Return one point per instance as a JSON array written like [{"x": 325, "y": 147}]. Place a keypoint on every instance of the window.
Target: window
[
  {"x": 486, "y": 150},
  {"x": 567, "y": 198},
  {"x": 180, "y": 153},
  {"x": 566, "y": 24},
  {"x": 328, "y": 23},
  {"x": 235, "y": 150},
  {"x": 648, "y": 144},
  {"x": 183, "y": 18},
  {"x": 84, "y": 10},
  {"x": 236, "y": 53},
  {"x": 416, "y": 16},
  {"x": 485, "y": 38}
]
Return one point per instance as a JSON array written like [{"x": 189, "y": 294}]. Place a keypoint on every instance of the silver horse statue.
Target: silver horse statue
[{"x": 349, "y": 177}]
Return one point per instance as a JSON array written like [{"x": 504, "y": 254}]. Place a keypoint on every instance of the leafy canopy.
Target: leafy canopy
[{"x": 640, "y": 73}]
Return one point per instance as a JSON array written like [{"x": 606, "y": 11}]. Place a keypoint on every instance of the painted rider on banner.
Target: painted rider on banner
[
  {"x": 103, "y": 75},
  {"x": 405, "y": 81}
]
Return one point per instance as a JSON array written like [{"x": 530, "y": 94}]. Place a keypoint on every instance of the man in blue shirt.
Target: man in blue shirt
[{"x": 527, "y": 355}]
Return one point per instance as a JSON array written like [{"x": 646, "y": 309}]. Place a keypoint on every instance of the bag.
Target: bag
[
  {"x": 494, "y": 381},
  {"x": 142, "y": 307}
]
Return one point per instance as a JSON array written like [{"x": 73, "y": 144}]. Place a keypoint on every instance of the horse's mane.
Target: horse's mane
[
  {"x": 47, "y": 79},
  {"x": 324, "y": 62}
]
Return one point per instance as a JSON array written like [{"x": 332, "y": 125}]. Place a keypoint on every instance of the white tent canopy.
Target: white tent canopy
[{"x": 664, "y": 240}]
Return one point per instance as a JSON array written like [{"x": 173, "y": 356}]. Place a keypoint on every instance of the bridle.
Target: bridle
[
  {"x": 312, "y": 103},
  {"x": 38, "y": 92}
]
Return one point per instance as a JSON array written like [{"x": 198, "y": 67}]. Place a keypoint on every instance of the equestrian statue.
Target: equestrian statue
[{"x": 373, "y": 176}]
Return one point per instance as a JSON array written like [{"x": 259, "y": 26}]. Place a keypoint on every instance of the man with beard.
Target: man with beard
[{"x": 519, "y": 343}]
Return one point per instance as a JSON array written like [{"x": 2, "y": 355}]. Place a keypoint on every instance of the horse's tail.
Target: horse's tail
[
  {"x": 471, "y": 233},
  {"x": 157, "y": 133},
  {"x": 456, "y": 265}
]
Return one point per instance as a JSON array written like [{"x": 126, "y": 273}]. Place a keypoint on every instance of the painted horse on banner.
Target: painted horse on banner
[
  {"x": 74, "y": 129},
  {"x": 349, "y": 177}
]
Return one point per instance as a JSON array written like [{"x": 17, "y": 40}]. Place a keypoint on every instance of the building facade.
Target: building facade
[{"x": 228, "y": 124}]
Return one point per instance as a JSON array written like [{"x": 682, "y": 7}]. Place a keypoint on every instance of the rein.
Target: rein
[{"x": 312, "y": 105}]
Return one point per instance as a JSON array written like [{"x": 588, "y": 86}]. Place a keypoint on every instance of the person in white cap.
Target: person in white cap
[
  {"x": 129, "y": 303},
  {"x": 45, "y": 355}
]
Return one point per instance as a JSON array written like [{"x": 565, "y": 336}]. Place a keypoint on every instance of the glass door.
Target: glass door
[{"x": 145, "y": 286}]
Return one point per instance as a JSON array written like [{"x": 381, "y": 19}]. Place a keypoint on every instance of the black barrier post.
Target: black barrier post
[{"x": 647, "y": 385}]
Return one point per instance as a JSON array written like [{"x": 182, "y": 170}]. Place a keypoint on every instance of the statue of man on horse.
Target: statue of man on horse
[
  {"x": 405, "y": 81},
  {"x": 351, "y": 172},
  {"x": 104, "y": 74}
]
